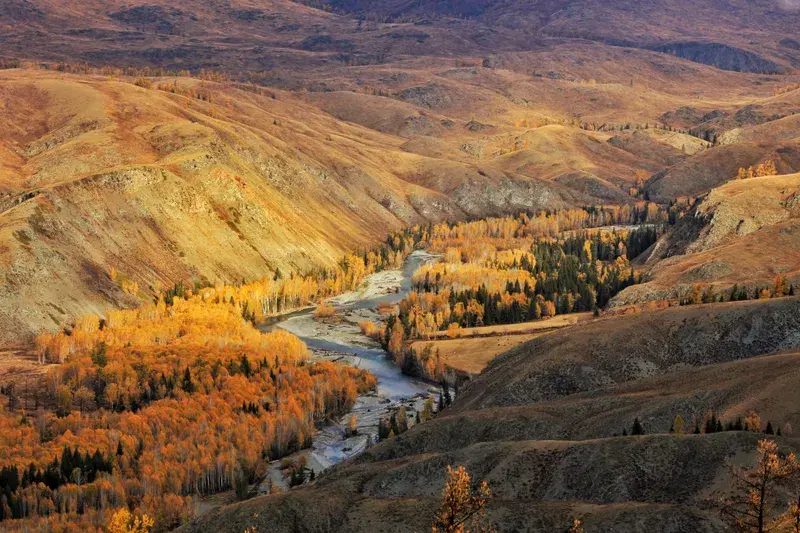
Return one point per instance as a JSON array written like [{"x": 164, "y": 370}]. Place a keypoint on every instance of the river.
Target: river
[{"x": 340, "y": 339}]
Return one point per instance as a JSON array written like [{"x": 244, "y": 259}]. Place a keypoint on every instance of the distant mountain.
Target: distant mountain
[
  {"x": 672, "y": 26},
  {"x": 269, "y": 33}
]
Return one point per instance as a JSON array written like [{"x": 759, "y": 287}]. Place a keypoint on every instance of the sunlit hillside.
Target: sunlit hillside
[{"x": 334, "y": 266}]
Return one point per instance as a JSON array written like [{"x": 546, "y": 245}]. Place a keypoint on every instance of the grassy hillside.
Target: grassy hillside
[
  {"x": 164, "y": 187},
  {"x": 194, "y": 179},
  {"x": 744, "y": 233}
]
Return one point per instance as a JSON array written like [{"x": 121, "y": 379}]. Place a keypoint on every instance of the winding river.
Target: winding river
[{"x": 341, "y": 340}]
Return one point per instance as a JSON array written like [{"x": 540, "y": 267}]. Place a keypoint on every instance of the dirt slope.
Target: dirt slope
[
  {"x": 164, "y": 187},
  {"x": 610, "y": 351}
]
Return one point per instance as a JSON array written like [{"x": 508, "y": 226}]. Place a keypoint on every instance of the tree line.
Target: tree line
[
  {"x": 514, "y": 269},
  {"x": 180, "y": 397},
  {"x": 705, "y": 294}
]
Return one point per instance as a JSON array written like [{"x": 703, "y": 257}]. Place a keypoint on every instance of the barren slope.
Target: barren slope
[
  {"x": 223, "y": 186},
  {"x": 213, "y": 33}
]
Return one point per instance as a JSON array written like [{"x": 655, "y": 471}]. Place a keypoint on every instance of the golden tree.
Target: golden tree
[
  {"x": 677, "y": 425},
  {"x": 123, "y": 522},
  {"x": 460, "y": 506},
  {"x": 352, "y": 426},
  {"x": 793, "y": 515},
  {"x": 750, "y": 509},
  {"x": 753, "y": 422}
]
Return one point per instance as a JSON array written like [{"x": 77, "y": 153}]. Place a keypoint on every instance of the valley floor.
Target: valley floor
[{"x": 472, "y": 349}]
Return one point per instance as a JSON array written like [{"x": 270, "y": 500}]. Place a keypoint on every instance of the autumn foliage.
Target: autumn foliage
[
  {"x": 462, "y": 508},
  {"x": 514, "y": 269},
  {"x": 767, "y": 168},
  {"x": 179, "y": 398},
  {"x": 178, "y": 417},
  {"x": 753, "y": 506}
]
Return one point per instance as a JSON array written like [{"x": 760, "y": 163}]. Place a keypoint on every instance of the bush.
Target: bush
[{"x": 324, "y": 311}]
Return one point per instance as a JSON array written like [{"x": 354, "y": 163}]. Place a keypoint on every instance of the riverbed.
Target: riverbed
[{"x": 340, "y": 339}]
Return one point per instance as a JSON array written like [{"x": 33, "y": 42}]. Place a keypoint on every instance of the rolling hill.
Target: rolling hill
[
  {"x": 224, "y": 141},
  {"x": 212, "y": 33},
  {"x": 744, "y": 233},
  {"x": 351, "y": 124}
]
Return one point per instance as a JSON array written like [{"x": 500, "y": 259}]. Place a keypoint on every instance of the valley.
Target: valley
[
  {"x": 342, "y": 342},
  {"x": 377, "y": 265}
]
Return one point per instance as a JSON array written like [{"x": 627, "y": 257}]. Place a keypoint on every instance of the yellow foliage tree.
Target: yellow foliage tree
[
  {"x": 461, "y": 507},
  {"x": 577, "y": 527},
  {"x": 677, "y": 425},
  {"x": 123, "y": 522},
  {"x": 752, "y": 422},
  {"x": 750, "y": 508}
]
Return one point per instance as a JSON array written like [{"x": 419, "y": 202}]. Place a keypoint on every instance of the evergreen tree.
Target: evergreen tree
[
  {"x": 245, "y": 366},
  {"x": 711, "y": 424},
  {"x": 99, "y": 356},
  {"x": 188, "y": 385}
]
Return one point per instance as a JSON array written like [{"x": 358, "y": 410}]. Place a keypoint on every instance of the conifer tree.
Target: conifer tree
[
  {"x": 461, "y": 507},
  {"x": 749, "y": 508}
]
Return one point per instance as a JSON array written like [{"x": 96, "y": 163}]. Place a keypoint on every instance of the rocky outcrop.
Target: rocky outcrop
[
  {"x": 725, "y": 240},
  {"x": 430, "y": 96}
]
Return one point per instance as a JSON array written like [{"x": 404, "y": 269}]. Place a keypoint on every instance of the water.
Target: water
[
  {"x": 345, "y": 341},
  {"x": 413, "y": 262},
  {"x": 392, "y": 383}
]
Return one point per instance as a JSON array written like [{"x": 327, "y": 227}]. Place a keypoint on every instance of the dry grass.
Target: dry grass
[
  {"x": 473, "y": 348},
  {"x": 558, "y": 321},
  {"x": 386, "y": 309},
  {"x": 28, "y": 376},
  {"x": 324, "y": 310},
  {"x": 471, "y": 355}
]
